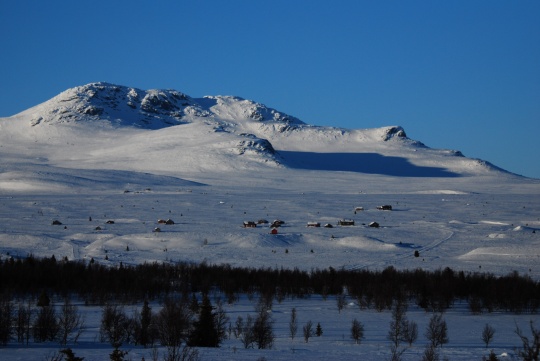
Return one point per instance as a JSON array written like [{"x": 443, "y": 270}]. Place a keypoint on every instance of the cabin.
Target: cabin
[
  {"x": 157, "y": 229},
  {"x": 56, "y": 223},
  {"x": 274, "y": 231},
  {"x": 262, "y": 221},
  {"x": 250, "y": 224},
  {"x": 277, "y": 223},
  {"x": 110, "y": 222},
  {"x": 328, "y": 225},
  {"x": 313, "y": 224},
  {"x": 163, "y": 221},
  {"x": 346, "y": 222},
  {"x": 374, "y": 225},
  {"x": 385, "y": 207},
  {"x": 358, "y": 209}
]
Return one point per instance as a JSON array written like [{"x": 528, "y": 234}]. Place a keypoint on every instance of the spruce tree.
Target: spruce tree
[
  {"x": 6, "y": 319},
  {"x": 204, "y": 332},
  {"x": 145, "y": 319},
  {"x": 318, "y": 330},
  {"x": 43, "y": 299}
]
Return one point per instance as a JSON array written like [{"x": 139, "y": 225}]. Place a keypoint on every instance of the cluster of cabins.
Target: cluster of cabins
[
  {"x": 275, "y": 224},
  {"x": 342, "y": 222},
  {"x": 163, "y": 221}
]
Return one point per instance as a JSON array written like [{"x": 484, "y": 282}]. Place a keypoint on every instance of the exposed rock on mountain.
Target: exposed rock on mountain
[{"x": 166, "y": 130}]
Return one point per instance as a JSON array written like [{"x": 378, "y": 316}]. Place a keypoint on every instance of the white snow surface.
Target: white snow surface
[{"x": 116, "y": 153}]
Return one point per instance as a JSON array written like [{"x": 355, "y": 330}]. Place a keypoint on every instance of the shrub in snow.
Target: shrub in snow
[{"x": 357, "y": 331}]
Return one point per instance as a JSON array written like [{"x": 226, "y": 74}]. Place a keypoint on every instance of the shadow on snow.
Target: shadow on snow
[{"x": 370, "y": 163}]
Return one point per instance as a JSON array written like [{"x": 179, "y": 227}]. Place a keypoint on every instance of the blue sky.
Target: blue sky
[{"x": 462, "y": 75}]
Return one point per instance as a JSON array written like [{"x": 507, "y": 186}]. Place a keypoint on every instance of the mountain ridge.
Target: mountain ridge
[
  {"x": 141, "y": 108},
  {"x": 220, "y": 133}
]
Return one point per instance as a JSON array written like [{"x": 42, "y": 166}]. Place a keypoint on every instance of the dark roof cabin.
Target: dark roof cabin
[
  {"x": 346, "y": 222},
  {"x": 168, "y": 221},
  {"x": 250, "y": 224}
]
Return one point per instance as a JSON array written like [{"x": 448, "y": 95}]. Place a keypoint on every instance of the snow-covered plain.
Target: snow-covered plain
[{"x": 102, "y": 152}]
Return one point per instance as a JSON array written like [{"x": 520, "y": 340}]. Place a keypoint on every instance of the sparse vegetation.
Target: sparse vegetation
[
  {"x": 357, "y": 331},
  {"x": 293, "y": 324},
  {"x": 530, "y": 348},
  {"x": 307, "y": 331},
  {"x": 183, "y": 323},
  {"x": 487, "y": 334},
  {"x": 437, "y": 331}
]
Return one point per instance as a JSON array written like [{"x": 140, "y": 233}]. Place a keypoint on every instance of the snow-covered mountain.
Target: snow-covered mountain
[
  {"x": 102, "y": 151},
  {"x": 105, "y": 126},
  {"x": 148, "y": 109}
]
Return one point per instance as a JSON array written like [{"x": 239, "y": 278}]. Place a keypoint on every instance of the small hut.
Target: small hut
[
  {"x": 250, "y": 224},
  {"x": 346, "y": 222}
]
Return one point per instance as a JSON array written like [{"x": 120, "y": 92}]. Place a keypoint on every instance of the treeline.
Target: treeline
[{"x": 433, "y": 290}]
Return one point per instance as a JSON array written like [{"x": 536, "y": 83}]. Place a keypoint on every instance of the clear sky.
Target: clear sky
[{"x": 461, "y": 75}]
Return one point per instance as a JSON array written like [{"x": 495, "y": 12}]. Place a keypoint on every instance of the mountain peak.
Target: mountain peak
[
  {"x": 119, "y": 104},
  {"x": 147, "y": 109}
]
